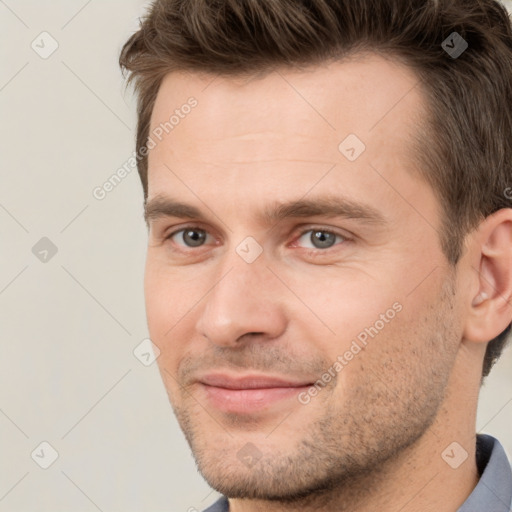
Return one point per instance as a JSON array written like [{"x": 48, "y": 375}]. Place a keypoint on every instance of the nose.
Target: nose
[{"x": 245, "y": 299}]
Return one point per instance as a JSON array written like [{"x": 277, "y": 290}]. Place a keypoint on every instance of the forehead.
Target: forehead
[
  {"x": 281, "y": 132},
  {"x": 355, "y": 93}
]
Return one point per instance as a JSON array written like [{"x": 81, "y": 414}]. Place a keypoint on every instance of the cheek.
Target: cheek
[
  {"x": 157, "y": 306},
  {"x": 168, "y": 298},
  {"x": 353, "y": 306},
  {"x": 165, "y": 306}
]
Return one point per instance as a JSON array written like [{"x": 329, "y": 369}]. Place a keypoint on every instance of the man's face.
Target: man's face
[{"x": 236, "y": 294}]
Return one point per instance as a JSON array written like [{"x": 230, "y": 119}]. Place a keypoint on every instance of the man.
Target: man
[{"x": 329, "y": 266}]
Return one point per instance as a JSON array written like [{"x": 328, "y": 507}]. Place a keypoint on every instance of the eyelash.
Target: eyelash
[{"x": 323, "y": 229}]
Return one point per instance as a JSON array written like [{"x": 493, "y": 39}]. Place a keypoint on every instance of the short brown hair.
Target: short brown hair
[{"x": 464, "y": 146}]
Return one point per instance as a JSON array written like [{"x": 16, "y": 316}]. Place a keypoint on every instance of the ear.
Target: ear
[{"x": 490, "y": 301}]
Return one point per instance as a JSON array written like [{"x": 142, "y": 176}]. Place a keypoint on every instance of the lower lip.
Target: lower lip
[{"x": 248, "y": 400}]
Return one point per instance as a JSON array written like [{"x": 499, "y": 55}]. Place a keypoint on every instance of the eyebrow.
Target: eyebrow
[{"x": 326, "y": 206}]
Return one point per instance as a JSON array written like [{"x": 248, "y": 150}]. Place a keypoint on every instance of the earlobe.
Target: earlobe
[{"x": 490, "y": 311}]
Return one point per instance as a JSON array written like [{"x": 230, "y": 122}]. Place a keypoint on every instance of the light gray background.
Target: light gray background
[{"x": 68, "y": 375}]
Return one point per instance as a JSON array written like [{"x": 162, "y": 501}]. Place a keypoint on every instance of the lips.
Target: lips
[
  {"x": 250, "y": 382},
  {"x": 250, "y": 394}
]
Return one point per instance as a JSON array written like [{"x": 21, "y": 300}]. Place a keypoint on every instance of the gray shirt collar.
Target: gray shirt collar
[{"x": 493, "y": 492}]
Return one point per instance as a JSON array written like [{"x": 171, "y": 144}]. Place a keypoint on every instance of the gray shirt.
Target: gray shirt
[{"x": 493, "y": 492}]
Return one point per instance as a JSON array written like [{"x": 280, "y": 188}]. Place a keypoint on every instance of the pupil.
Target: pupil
[
  {"x": 323, "y": 238},
  {"x": 194, "y": 237}
]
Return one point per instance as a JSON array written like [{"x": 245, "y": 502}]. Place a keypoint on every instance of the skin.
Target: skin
[{"x": 373, "y": 437}]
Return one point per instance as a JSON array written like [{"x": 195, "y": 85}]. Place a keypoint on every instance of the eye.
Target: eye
[
  {"x": 321, "y": 238},
  {"x": 191, "y": 236}
]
